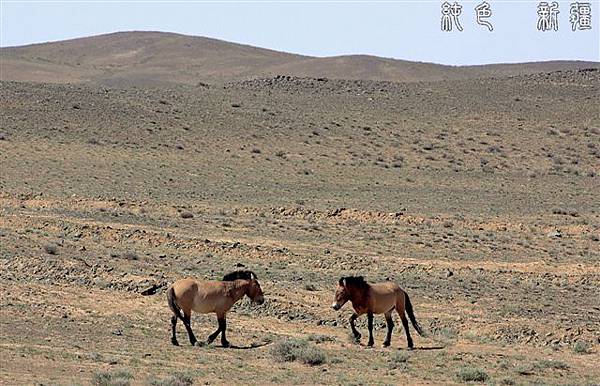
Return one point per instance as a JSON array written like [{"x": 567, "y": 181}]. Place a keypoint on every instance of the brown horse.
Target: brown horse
[
  {"x": 379, "y": 298},
  {"x": 204, "y": 297}
]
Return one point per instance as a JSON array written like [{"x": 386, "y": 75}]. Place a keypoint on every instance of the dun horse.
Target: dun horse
[
  {"x": 204, "y": 297},
  {"x": 379, "y": 298}
]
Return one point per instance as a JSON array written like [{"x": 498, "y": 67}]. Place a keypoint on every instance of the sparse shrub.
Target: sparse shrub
[
  {"x": 398, "y": 359},
  {"x": 130, "y": 255},
  {"x": 51, "y": 249},
  {"x": 524, "y": 369},
  {"x": 297, "y": 350},
  {"x": 581, "y": 347},
  {"x": 320, "y": 338},
  {"x": 471, "y": 374},
  {"x": 175, "y": 379},
  {"x": 507, "y": 381},
  {"x": 256, "y": 151},
  {"x": 445, "y": 333},
  {"x": 503, "y": 364},
  {"x": 550, "y": 364},
  {"x": 312, "y": 355},
  {"x": 94, "y": 356},
  {"x": 310, "y": 287},
  {"x": 473, "y": 336},
  {"x": 112, "y": 378},
  {"x": 287, "y": 350}
]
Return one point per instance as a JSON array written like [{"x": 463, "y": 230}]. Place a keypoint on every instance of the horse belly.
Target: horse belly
[{"x": 204, "y": 304}]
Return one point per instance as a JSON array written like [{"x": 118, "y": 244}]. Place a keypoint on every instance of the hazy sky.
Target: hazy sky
[{"x": 399, "y": 29}]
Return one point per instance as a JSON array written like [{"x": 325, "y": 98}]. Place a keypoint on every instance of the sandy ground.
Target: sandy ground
[{"x": 484, "y": 208}]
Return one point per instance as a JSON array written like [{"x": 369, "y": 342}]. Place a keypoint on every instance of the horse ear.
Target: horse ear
[
  {"x": 253, "y": 276},
  {"x": 342, "y": 281}
]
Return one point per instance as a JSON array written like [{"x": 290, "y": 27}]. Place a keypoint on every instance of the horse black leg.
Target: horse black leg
[
  {"x": 390, "y": 328},
  {"x": 355, "y": 332},
  {"x": 214, "y": 335},
  {"x": 405, "y": 325},
  {"x": 370, "y": 320},
  {"x": 223, "y": 327},
  {"x": 174, "y": 336},
  {"x": 187, "y": 322}
]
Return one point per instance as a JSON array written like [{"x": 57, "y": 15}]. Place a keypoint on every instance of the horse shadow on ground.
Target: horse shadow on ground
[
  {"x": 248, "y": 347},
  {"x": 427, "y": 348}
]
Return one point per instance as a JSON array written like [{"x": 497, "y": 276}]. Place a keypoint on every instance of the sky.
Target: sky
[{"x": 409, "y": 30}]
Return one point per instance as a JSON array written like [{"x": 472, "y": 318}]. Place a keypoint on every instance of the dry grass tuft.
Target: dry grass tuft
[
  {"x": 112, "y": 378},
  {"x": 471, "y": 374},
  {"x": 51, "y": 249},
  {"x": 298, "y": 350}
]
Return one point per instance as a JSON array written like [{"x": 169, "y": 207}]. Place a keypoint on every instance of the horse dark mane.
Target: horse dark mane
[
  {"x": 355, "y": 281},
  {"x": 237, "y": 275}
]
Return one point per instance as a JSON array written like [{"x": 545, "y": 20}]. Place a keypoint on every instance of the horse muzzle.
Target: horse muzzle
[
  {"x": 259, "y": 301},
  {"x": 336, "y": 306}
]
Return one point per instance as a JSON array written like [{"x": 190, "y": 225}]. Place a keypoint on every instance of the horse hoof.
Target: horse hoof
[
  {"x": 385, "y": 344},
  {"x": 175, "y": 342},
  {"x": 226, "y": 344},
  {"x": 370, "y": 344}
]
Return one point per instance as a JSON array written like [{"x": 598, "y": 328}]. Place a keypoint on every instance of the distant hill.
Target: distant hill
[{"x": 155, "y": 58}]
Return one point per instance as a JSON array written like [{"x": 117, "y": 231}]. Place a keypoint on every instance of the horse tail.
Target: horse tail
[
  {"x": 411, "y": 315},
  {"x": 173, "y": 304}
]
